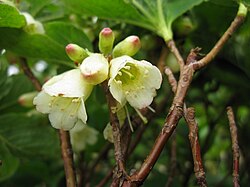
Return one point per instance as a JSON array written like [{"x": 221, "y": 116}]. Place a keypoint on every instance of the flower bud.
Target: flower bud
[
  {"x": 95, "y": 69},
  {"x": 106, "y": 41},
  {"x": 26, "y": 99},
  {"x": 32, "y": 26},
  {"x": 76, "y": 53},
  {"x": 129, "y": 46}
]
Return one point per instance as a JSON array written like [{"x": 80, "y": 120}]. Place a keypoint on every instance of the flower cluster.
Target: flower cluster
[{"x": 129, "y": 80}]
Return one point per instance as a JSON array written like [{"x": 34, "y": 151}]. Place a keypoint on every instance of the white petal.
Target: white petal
[
  {"x": 140, "y": 98},
  {"x": 140, "y": 94},
  {"x": 117, "y": 92},
  {"x": 95, "y": 69},
  {"x": 68, "y": 84},
  {"x": 82, "y": 135},
  {"x": 63, "y": 114},
  {"x": 82, "y": 112},
  {"x": 43, "y": 102},
  {"x": 153, "y": 78},
  {"x": 118, "y": 63}
]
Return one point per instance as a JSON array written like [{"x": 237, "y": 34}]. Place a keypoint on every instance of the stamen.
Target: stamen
[
  {"x": 131, "y": 76},
  {"x": 118, "y": 82},
  {"x": 128, "y": 117},
  {"x": 127, "y": 67},
  {"x": 119, "y": 73}
]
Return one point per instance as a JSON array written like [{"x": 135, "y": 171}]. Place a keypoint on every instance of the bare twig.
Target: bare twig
[
  {"x": 102, "y": 154},
  {"x": 235, "y": 146},
  {"x": 218, "y": 46},
  {"x": 195, "y": 146},
  {"x": 171, "y": 79},
  {"x": 29, "y": 74},
  {"x": 118, "y": 146},
  {"x": 172, "y": 161},
  {"x": 162, "y": 60},
  {"x": 66, "y": 149},
  {"x": 171, "y": 45},
  {"x": 67, "y": 155}
]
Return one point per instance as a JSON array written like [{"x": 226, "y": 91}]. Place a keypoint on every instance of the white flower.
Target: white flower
[
  {"x": 82, "y": 135},
  {"x": 62, "y": 97},
  {"x": 95, "y": 68},
  {"x": 133, "y": 81},
  {"x": 32, "y": 26}
]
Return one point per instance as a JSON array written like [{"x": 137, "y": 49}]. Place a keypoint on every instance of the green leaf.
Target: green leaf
[
  {"x": 65, "y": 33},
  {"x": 50, "y": 47},
  {"x": 246, "y": 3},
  {"x": 10, "y": 16},
  {"x": 14, "y": 86},
  {"x": 32, "y": 45},
  {"x": 27, "y": 136},
  {"x": 108, "y": 9},
  {"x": 150, "y": 14},
  {"x": 9, "y": 163}
]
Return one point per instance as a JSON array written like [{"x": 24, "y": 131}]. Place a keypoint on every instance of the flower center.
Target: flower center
[{"x": 127, "y": 74}]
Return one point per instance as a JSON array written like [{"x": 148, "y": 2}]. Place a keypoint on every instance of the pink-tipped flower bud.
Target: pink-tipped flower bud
[
  {"x": 26, "y": 99},
  {"x": 95, "y": 69},
  {"x": 76, "y": 53},
  {"x": 129, "y": 46},
  {"x": 106, "y": 41}
]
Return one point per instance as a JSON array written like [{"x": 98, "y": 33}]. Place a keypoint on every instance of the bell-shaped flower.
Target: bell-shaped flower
[
  {"x": 32, "y": 26},
  {"x": 95, "y": 69},
  {"x": 81, "y": 136},
  {"x": 133, "y": 81},
  {"x": 62, "y": 97}
]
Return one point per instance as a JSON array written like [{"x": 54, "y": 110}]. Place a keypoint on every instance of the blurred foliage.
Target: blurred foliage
[{"x": 29, "y": 147}]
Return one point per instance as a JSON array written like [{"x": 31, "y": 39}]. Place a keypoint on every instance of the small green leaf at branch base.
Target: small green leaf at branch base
[{"x": 242, "y": 11}]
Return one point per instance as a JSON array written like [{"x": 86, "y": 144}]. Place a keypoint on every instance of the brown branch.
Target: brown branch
[
  {"x": 237, "y": 22},
  {"x": 195, "y": 146},
  {"x": 105, "y": 179},
  {"x": 171, "y": 79},
  {"x": 27, "y": 71},
  {"x": 66, "y": 149},
  {"x": 172, "y": 119},
  {"x": 101, "y": 155},
  {"x": 172, "y": 47},
  {"x": 162, "y": 60},
  {"x": 67, "y": 155},
  {"x": 172, "y": 161},
  {"x": 120, "y": 173},
  {"x": 235, "y": 146}
]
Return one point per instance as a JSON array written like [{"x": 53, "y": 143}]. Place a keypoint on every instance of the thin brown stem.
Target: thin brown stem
[
  {"x": 195, "y": 146},
  {"x": 66, "y": 149},
  {"x": 171, "y": 79},
  {"x": 172, "y": 161},
  {"x": 235, "y": 146},
  {"x": 237, "y": 22},
  {"x": 117, "y": 136},
  {"x": 26, "y": 69},
  {"x": 67, "y": 155},
  {"x": 172, "y": 47}
]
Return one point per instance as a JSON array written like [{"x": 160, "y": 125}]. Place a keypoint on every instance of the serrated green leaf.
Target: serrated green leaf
[
  {"x": 9, "y": 163},
  {"x": 10, "y": 16},
  {"x": 27, "y": 136},
  {"x": 65, "y": 33}
]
